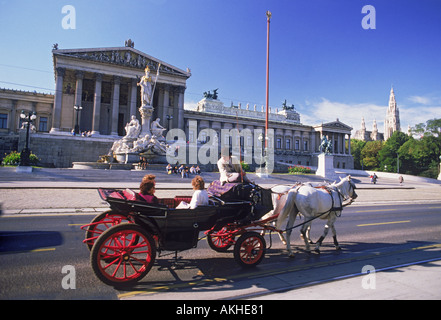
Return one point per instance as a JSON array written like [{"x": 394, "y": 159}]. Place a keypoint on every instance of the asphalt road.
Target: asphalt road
[{"x": 35, "y": 248}]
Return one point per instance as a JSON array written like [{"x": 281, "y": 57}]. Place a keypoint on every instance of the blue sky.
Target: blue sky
[{"x": 321, "y": 59}]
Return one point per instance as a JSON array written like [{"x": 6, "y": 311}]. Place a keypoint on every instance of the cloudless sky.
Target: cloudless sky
[{"x": 321, "y": 59}]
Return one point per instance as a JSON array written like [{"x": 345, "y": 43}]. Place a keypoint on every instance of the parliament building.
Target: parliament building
[{"x": 96, "y": 90}]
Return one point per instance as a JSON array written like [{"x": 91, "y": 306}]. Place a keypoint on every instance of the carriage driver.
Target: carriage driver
[{"x": 230, "y": 169}]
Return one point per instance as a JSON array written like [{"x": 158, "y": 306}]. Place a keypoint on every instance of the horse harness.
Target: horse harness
[{"x": 329, "y": 191}]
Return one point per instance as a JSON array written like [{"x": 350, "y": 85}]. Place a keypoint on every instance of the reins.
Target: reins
[{"x": 329, "y": 190}]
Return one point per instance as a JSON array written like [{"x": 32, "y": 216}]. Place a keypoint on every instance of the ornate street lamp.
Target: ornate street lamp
[
  {"x": 25, "y": 153},
  {"x": 77, "y": 122}
]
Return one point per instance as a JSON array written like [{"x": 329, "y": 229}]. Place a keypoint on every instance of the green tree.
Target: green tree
[
  {"x": 423, "y": 154},
  {"x": 389, "y": 153},
  {"x": 369, "y": 155},
  {"x": 356, "y": 147}
]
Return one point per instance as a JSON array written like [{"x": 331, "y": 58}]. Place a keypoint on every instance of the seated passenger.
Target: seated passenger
[
  {"x": 147, "y": 189},
  {"x": 230, "y": 169},
  {"x": 200, "y": 196},
  {"x": 151, "y": 177}
]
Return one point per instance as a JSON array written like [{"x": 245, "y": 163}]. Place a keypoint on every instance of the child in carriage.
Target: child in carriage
[{"x": 200, "y": 195}]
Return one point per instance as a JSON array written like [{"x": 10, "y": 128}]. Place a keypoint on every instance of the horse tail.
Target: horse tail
[{"x": 287, "y": 208}]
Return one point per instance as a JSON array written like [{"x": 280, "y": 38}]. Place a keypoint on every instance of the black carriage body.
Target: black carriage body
[{"x": 177, "y": 229}]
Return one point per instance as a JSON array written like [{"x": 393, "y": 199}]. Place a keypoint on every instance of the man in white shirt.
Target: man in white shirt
[{"x": 230, "y": 169}]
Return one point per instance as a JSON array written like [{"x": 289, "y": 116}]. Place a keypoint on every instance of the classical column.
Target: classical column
[
  {"x": 181, "y": 108},
  {"x": 56, "y": 116},
  {"x": 12, "y": 119},
  {"x": 79, "y": 88},
  {"x": 333, "y": 143},
  {"x": 133, "y": 92},
  {"x": 97, "y": 104},
  {"x": 115, "y": 105},
  {"x": 312, "y": 142},
  {"x": 78, "y": 93},
  {"x": 166, "y": 102},
  {"x": 160, "y": 105}
]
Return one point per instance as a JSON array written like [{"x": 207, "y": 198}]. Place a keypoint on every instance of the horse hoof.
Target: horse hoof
[
  {"x": 338, "y": 248},
  {"x": 317, "y": 250},
  {"x": 291, "y": 255}
]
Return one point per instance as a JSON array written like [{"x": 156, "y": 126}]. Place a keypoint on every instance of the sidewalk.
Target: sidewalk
[{"x": 74, "y": 191}]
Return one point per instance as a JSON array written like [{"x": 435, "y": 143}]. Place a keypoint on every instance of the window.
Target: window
[
  {"x": 305, "y": 145},
  {"x": 297, "y": 144},
  {"x": 288, "y": 144},
  {"x": 3, "y": 121},
  {"x": 203, "y": 137},
  {"x": 191, "y": 136},
  {"x": 279, "y": 143},
  {"x": 43, "y": 124}
]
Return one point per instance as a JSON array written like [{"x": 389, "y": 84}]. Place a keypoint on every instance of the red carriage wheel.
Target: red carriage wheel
[
  {"x": 221, "y": 240},
  {"x": 123, "y": 255},
  {"x": 249, "y": 249},
  {"x": 101, "y": 223}
]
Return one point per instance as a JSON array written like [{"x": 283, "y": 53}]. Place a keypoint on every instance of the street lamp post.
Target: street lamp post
[
  {"x": 169, "y": 118},
  {"x": 77, "y": 121},
  {"x": 25, "y": 153},
  {"x": 264, "y": 172}
]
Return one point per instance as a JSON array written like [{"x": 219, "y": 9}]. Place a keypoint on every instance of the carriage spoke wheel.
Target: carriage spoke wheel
[
  {"x": 123, "y": 255},
  {"x": 101, "y": 223},
  {"x": 249, "y": 249},
  {"x": 221, "y": 240}
]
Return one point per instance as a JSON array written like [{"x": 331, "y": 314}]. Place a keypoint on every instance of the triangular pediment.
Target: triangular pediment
[
  {"x": 336, "y": 125},
  {"x": 122, "y": 56}
]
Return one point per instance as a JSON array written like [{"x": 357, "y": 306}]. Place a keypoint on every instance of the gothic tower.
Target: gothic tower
[{"x": 392, "y": 121}]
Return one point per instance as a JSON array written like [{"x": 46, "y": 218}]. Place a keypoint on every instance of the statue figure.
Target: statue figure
[
  {"x": 133, "y": 128},
  {"x": 209, "y": 95},
  {"x": 140, "y": 144},
  {"x": 157, "y": 129},
  {"x": 325, "y": 146},
  {"x": 215, "y": 94},
  {"x": 146, "y": 87},
  {"x": 286, "y": 107},
  {"x": 156, "y": 146}
]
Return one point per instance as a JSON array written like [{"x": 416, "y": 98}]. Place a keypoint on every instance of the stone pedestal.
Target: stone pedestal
[
  {"x": 127, "y": 157},
  {"x": 153, "y": 158},
  {"x": 146, "y": 112},
  {"x": 326, "y": 167}
]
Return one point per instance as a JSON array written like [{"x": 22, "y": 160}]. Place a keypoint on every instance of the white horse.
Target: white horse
[
  {"x": 279, "y": 196},
  {"x": 316, "y": 202}
]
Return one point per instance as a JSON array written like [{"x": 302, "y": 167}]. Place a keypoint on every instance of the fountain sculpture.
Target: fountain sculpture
[{"x": 145, "y": 139}]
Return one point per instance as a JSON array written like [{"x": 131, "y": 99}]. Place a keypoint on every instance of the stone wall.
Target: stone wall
[
  {"x": 8, "y": 143},
  {"x": 61, "y": 151}
]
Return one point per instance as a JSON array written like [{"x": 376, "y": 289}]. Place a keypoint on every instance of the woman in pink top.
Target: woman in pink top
[{"x": 147, "y": 190}]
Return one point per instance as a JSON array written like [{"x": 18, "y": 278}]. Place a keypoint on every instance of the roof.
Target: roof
[{"x": 122, "y": 56}]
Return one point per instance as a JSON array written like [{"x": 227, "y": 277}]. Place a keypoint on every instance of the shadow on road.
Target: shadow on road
[{"x": 19, "y": 241}]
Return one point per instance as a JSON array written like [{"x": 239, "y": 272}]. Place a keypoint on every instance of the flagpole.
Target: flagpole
[{"x": 268, "y": 17}]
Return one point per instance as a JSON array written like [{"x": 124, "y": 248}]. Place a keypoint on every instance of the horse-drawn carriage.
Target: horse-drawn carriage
[{"x": 124, "y": 240}]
